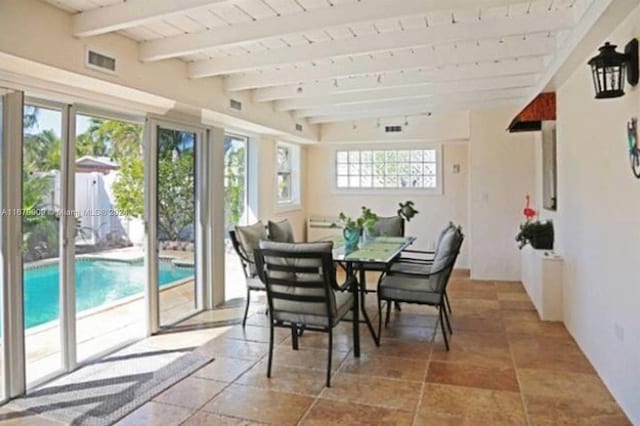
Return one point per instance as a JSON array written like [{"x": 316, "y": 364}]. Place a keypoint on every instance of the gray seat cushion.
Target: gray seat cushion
[
  {"x": 281, "y": 231},
  {"x": 402, "y": 287},
  {"x": 411, "y": 268},
  {"x": 344, "y": 303},
  {"x": 254, "y": 283}
]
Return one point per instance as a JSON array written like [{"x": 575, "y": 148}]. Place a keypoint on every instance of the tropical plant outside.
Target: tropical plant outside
[{"x": 120, "y": 142}]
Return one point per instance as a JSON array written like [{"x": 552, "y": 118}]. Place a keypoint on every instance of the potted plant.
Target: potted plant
[
  {"x": 537, "y": 233},
  {"x": 352, "y": 228}
]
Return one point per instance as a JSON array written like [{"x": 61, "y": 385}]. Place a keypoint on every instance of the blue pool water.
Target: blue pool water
[{"x": 97, "y": 282}]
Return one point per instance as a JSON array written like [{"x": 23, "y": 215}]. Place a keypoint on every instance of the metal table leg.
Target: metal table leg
[
  {"x": 362, "y": 284},
  {"x": 356, "y": 314}
]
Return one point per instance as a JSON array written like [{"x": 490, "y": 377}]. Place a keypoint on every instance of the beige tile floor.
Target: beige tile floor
[{"x": 505, "y": 367}]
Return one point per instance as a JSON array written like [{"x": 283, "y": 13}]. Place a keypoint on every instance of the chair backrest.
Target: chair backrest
[
  {"x": 298, "y": 278},
  {"x": 449, "y": 227},
  {"x": 244, "y": 259},
  {"x": 281, "y": 232},
  {"x": 248, "y": 239},
  {"x": 445, "y": 258},
  {"x": 392, "y": 226}
]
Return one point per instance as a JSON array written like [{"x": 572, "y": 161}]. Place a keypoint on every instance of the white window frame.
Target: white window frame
[
  {"x": 438, "y": 190},
  {"x": 294, "y": 202}
]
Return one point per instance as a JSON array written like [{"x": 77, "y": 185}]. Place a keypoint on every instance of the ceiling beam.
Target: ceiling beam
[
  {"x": 434, "y": 35},
  {"x": 133, "y": 13},
  {"x": 408, "y": 92},
  {"x": 407, "y": 113},
  {"x": 485, "y": 52},
  {"x": 314, "y": 20},
  {"x": 408, "y": 78},
  {"x": 424, "y": 102}
]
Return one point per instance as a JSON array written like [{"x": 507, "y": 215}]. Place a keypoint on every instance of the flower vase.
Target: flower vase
[{"x": 351, "y": 238}]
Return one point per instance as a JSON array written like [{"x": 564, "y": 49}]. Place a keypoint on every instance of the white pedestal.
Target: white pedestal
[{"x": 542, "y": 278}]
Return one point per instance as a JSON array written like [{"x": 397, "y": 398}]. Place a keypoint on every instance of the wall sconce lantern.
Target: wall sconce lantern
[{"x": 609, "y": 68}]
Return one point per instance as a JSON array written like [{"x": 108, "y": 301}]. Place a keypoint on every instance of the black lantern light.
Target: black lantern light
[{"x": 609, "y": 68}]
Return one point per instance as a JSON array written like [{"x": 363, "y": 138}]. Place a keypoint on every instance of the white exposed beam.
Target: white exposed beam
[
  {"x": 313, "y": 20},
  {"x": 399, "y": 79},
  {"x": 408, "y": 92},
  {"x": 133, "y": 13},
  {"x": 435, "y": 35},
  {"x": 414, "y": 111},
  {"x": 417, "y": 102},
  {"x": 485, "y": 52}
]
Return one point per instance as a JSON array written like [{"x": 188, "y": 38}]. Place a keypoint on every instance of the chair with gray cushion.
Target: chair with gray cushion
[
  {"x": 245, "y": 240},
  {"x": 302, "y": 291},
  {"x": 425, "y": 287},
  {"x": 416, "y": 265},
  {"x": 281, "y": 232},
  {"x": 392, "y": 226}
]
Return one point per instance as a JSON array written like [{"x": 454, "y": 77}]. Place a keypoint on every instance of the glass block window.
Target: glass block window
[{"x": 387, "y": 169}]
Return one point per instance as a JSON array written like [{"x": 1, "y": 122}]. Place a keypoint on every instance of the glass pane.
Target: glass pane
[
  {"x": 378, "y": 182},
  {"x": 284, "y": 160},
  {"x": 404, "y": 181},
  {"x": 354, "y": 156},
  {"x": 366, "y": 157},
  {"x": 342, "y": 156},
  {"x": 404, "y": 155},
  {"x": 378, "y": 156},
  {"x": 343, "y": 181},
  {"x": 366, "y": 181},
  {"x": 236, "y": 210},
  {"x": 416, "y": 156},
  {"x": 416, "y": 169},
  {"x": 430, "y": 155},
  {"x": 176, "y": 215},
  {"x": 429, "y": 169},
  {"x": 284, "y": 187},
  {"x": 391, "y": 182},
  {"x": 40, "y": 236},
  {"x": 430, "y": 182},
  {"x": 391, "y": 156},
  {"x": 343, "y": 169},
  {"x": 366, "y": 170},
  {"x": 354, "y": 181},
  {"x": 404, "y": 169},
  {"x": 109, "y": 199},
  {"x": 354, "y": 169}
]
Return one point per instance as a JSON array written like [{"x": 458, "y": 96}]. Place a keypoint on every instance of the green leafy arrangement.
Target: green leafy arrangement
[
  {"x": 367, "y": 220},
  {"x": 539, "y": 234}
]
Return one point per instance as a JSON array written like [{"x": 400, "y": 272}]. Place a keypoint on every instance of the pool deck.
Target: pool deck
[{"x": 101, "y": 330}]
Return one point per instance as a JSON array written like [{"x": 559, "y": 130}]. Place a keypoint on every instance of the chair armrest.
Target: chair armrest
[{"x": 419, "y": 251}]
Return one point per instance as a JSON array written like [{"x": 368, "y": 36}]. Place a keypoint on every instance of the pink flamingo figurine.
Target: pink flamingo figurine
[{"x": 528, "y": 211}]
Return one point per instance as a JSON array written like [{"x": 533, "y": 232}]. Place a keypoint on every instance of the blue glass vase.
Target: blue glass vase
[{"x": 351, "y": 238}]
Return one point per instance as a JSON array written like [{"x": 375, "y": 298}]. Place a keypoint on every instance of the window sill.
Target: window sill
[{"x": 287, "y": 207}]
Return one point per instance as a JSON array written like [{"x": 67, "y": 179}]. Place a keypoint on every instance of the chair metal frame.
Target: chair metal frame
[{"x": 327, "y": 282}]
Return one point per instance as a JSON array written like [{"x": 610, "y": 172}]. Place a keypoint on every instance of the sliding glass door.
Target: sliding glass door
[
  {"x": 109, "y": 279},
  {"x": 41, "y": 242},
  {"x": 177, "y": 220}
]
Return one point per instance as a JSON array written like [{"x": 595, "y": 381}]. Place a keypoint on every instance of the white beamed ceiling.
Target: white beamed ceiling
[{"x": 338, "y": 60}]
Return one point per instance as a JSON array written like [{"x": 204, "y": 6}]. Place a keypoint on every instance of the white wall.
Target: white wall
[
  {"x": 598, "y": 227},
  {"x": 435, "y": 210},
  {"x": 501, "y": 174}
]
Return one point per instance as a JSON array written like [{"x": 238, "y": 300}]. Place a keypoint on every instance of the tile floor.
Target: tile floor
[{"x": 505, "y": 367}]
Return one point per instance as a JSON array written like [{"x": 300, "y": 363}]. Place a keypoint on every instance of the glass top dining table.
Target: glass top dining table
[
  {"x": 375, "y": 250},
  {"x": 380, "y": 250}
]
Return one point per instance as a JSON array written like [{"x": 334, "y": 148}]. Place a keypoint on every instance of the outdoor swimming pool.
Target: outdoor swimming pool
[{"x": 98, "y": 282}]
